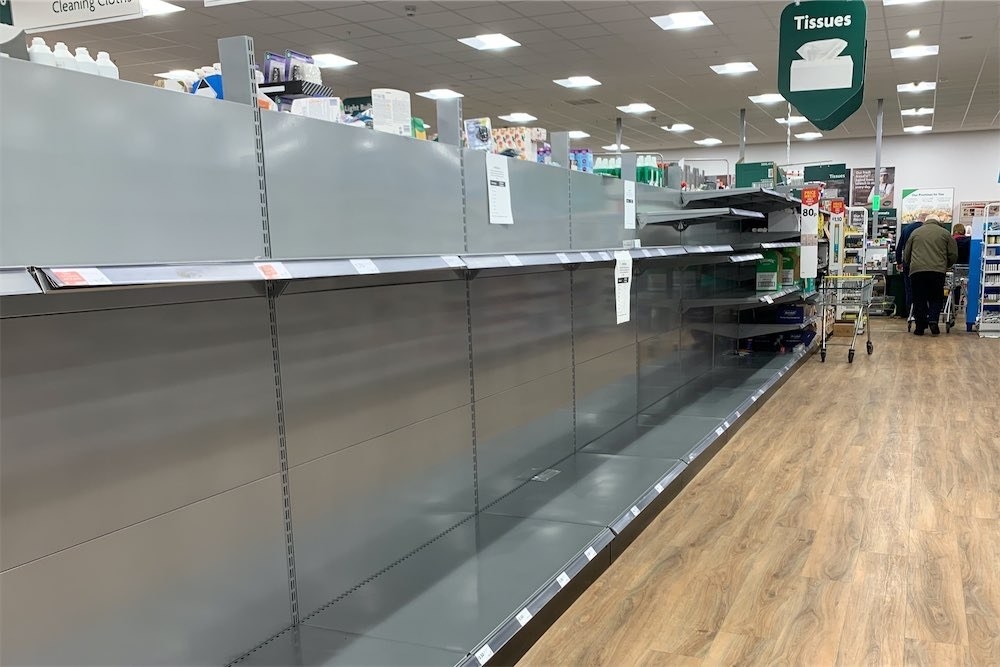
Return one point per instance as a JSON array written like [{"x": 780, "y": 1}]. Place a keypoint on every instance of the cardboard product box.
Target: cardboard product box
[
  {"x": 791, "y": 314},
  {"x": 793, "y": 338},
  {"x": 769, "y": 271},
  {"x": 843, "y": 329},
  {"x": 789, "y": 268}
]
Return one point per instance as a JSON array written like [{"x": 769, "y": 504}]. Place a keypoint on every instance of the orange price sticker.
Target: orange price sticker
[{"x": 810, "y": 196}]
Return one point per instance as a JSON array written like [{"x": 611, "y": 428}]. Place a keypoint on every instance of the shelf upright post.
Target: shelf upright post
[
  {"x": 236, "y": 56},
  {"x": 449, "y": 119},
  {"x": 743, "y": 135},
  {"x": 629, "y": 163},
  {"x": 560, "y": 148}
]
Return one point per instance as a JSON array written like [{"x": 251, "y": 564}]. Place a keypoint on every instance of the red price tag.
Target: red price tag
[{"x": 810, "y": 196}]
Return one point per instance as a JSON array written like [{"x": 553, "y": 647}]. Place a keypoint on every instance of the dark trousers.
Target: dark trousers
[
  {"x": 907, "y": 290},
  {"x": 928, "y": 297}
]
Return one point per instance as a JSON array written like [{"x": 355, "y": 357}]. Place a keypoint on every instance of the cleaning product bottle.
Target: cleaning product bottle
[
  {"x": 39, "y": 52},
  {"x": 84, "y": 61},
  {"x": 64, "y": 59},
  {"x": 105, "y": 67}
]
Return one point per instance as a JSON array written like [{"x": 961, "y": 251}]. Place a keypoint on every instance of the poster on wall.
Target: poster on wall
[
  {"x": 967, "y": 210},
  {"x": 864, "y": 187},
  {"x": 918, "y": 204}
]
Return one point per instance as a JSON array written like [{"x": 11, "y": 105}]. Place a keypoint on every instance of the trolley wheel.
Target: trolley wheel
[
  {"x": 909, "y": 326},
  {"x": 822, "y": 356},
  {"x": 947, "y": 327},
  {"x": 871, "y": 348},
  {"x": 850, "y": 356}
]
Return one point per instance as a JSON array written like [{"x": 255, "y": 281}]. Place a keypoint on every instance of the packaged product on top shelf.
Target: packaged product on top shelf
[
  {"x": 391, "y": 112},
  {"x": 478, "y": 134},
  {"x": 39, "y": 52},
  {"x": 64, "y": 59},
  {"x": 274, "y": 67},
  {"x": 769, "y": 271},
  {"x": 787, "y": 268}
]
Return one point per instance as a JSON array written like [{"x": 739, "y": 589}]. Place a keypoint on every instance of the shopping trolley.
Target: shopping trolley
[
  {"x": 957, "y": 288},
  {"x": 850, "y": 299}
]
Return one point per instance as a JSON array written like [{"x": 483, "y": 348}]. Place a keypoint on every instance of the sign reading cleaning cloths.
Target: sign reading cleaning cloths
[
  {"x": 821, "y": 59},
  {"x": 35, "y": 15}
]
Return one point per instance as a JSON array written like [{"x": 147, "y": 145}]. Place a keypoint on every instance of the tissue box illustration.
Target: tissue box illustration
[{"x": 822, "y": 67}]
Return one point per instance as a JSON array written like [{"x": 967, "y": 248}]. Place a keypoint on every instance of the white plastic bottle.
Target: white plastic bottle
[
  {"x": 84, "y": 61},
  {"x": 105, "y": 67},
  {"x": 39, "y": 52},
  {"x": 64, "y": 59}
]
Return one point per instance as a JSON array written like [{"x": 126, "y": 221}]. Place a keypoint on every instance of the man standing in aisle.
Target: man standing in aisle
[
  {"x": 929, "y": 253},
  {"x": 904, "y": 236}
]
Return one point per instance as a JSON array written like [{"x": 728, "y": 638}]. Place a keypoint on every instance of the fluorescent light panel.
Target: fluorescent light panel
[
  {"x": 440, "y": 94},
  {"x": 577, "y": 134},
  {"x": 156, "y": 7},
  {"x": 636, "y": 107},
  {"x": 890, "y": 3},
  {"x": 518, "y": 117},
  {"x": 917, "y": 129},
  {"x": 913, "y": 34},
  {"x": 791, "y": 120},
  {"x": 678, "y": 127},
  {"x": 734, "y": 68},
  {"x": 615, "y": 147},
  {"x": 709, "y": 141},
  {"x": 682, "y": 20},
  {"x": 577, "y": 82},
  {"x": 489, "y": 42},
  {"x": 809, "y": 136},
  {"x": 767, "y": 98},
  {"x": 915, "y": 51},
  {"x": 332, "y": 61},
  {"x": 916, "y": 87},
  {"x": 922, "y": 111}
]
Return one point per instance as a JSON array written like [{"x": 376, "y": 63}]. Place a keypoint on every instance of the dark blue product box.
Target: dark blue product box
[
  {"x": 791, "y": 314},
  {"x": 793, "y": 338}
]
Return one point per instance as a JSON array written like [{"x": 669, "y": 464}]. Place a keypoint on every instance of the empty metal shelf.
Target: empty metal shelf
[{"x": 759, "y": 199}]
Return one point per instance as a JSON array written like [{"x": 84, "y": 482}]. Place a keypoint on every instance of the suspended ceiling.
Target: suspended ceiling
[{"x": 612, "y": 41}]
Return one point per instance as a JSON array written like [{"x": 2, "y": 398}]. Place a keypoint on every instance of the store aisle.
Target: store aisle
[{"x": 855, "y": 519}]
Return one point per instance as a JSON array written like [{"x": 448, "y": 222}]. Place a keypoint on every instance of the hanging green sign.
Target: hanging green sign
[
  {"x": 821, "y": 59},
  {"x": 5, "y": 13}
]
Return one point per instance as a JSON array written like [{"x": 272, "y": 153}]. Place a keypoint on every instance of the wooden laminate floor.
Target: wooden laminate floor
[{"x": 854, "y": 520}]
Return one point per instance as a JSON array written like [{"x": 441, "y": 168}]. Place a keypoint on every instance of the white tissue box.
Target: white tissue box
[{"x": 830, "y": 74}]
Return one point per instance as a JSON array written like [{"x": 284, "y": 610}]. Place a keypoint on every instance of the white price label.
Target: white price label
[
  {"x": 718, "y": 431},
  {"x": 523, "y": 617},
  {"x": 513, "y": 260},
  {"x": 80, "y": 277},
  {"x": 605, "y": 256},
  {"x": 725, "y": 424},
  {"x": 634, "y": 510},
  {"x": 754, "y": 398},
  {"x": 662, "y": 251},
  {"x": 454, "y": 261},
  {"x": 737, "y": 415},
  {"x": 587, "y": 257},
  {"x": 484, "y": 654},
  {"x": 628, "y": 188},
  {"x": 563, "y": 259},
  {"x": 590, "y": 553},
  {"x": 562, "y": 580},
  {"x": 659, "y": 488},
  {"x": 768, "y": 299},
  {"x": 646, "y": 252},
  {"x": 364, "y": 266}
]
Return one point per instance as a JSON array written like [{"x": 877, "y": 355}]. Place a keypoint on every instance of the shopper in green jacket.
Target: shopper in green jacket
[{"x": 929, "y": 253}]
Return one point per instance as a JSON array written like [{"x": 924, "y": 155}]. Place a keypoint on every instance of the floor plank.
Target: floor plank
[{"x": 849, "y": 522}]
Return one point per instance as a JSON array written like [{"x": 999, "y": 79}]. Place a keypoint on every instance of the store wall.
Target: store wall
[{"x": 966, "y": 161}]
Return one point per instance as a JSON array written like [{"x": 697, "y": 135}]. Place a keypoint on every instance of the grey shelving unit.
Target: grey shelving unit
[{"x": 255, "y": 410}]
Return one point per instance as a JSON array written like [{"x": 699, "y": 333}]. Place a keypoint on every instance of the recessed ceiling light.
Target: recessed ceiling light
[
  {"x": 917, "y": 129},
  {"x": 678, "y": 127},
  {"x": 518, "y": 117},
  {"x": 915, "y": 51},
  {"x": 489, "y": 42},
  {"x": 889, "y": 3},
  {"x": 178, "y": 75},
  {"x": 440, "y": 94},
  {"x": 809, "y": 136},
  {"x": 767, "y": 98},
  {"x": 577, "y": 134},
  {"x": 615, "y": 147},
  {"x": 577, "y": 82},
  {"x": 636, "y": 107},
  {"x": 331, "y": 61},
  {"x": 734, "y": 68},
  {"x": 922, "y": 111},
  {"x": 682, "y": 20},
  {"x": 709, "y": 141},
  {"x": 791, "y": 120},
  {"x": 154, "y": 7},
  {"x": 916, "y": 87},
  {"x": 913, "y": 34}
]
